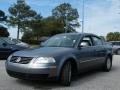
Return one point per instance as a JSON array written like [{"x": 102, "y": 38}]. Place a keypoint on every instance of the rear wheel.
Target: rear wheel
[
  {"x": 108, "y": 64},
  {"x": 66, "y": 73}
]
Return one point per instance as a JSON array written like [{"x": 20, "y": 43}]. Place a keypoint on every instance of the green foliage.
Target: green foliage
[
  {"x": 36, "y": 26},
  {"x": 113, "y": 36},
  {"x": 20, "y": 15},
  {"x": 56, "y": 23},
  {"x": 33, "y": 25},
  {"x": 27, "y": 35},
  {"x": 44, "y": 27},
  {"x": 52, "y": 26},
  {"x": 67, "y": 15}
]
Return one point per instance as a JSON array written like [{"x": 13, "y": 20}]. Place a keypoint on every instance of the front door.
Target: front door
[{"x": 86, "y": 53}]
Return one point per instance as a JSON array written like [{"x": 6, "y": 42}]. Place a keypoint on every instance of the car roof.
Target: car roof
[{"x": 76, "y": 33}]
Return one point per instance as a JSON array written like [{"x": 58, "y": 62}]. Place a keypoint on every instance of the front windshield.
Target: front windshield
[
  {"x": 7, "y": 40},
  {"x": 61, "y": 41}
]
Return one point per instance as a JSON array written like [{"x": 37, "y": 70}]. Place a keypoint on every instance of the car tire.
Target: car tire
[
  {"x": 108, "y": 64},
  {"x": 66, "y": 73},
  {"x": 118, "y": 52}
]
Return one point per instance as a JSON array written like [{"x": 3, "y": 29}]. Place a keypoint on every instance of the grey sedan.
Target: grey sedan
[{"x": 61, "y": 56}]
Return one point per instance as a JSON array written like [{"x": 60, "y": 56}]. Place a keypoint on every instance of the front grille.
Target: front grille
[{"x": 21, "y": 60}]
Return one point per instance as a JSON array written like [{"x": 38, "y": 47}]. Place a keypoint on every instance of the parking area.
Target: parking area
[{"x": 94, "y": 80}]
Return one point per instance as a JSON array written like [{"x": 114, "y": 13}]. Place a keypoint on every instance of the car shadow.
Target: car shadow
[
  {"x": 40, "y": 85},
  {"x": 91, "y": 75},
  {"x": 80, "y": 79}
]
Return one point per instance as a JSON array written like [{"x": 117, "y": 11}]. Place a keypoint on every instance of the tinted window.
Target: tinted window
[{"x": 97, "y": 41}]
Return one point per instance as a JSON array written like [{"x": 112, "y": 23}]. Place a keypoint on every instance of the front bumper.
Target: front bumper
[
  {"x": 27, "y": 76},
  {"x": 27, "y": 71}
]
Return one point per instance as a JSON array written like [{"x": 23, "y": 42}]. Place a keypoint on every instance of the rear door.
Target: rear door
[{"x": 100, "y": 51}]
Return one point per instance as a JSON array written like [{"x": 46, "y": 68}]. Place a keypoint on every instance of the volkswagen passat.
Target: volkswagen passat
[{"x": 61, "y": 56}]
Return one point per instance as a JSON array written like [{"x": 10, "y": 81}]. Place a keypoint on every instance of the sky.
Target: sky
[{"x": 101, "y": 16}]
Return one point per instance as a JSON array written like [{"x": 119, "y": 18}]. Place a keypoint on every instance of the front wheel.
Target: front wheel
[
  {"x": 65, "y": 76},
  {"x": 108, "y": 64}
]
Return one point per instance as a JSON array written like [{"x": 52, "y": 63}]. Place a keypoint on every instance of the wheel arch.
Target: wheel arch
[{"x": 73, "y": 63}]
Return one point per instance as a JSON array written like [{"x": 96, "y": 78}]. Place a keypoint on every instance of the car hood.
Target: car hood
[{"x": 43, "y": 51}]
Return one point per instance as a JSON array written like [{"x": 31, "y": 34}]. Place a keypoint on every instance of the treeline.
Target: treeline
[
  {"x": 113, "y": 36},
  {"x": 64, "y": 18}
]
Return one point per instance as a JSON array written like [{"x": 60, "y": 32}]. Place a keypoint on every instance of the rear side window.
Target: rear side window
[{"x": 97, "y": 41}]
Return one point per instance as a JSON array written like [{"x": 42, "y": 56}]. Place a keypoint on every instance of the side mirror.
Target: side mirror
[
  {"x": 4, "y": 44},
  {"x": 84, "y": 44}
]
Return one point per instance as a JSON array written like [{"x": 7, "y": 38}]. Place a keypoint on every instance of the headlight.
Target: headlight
[{"x": 44, "y": 60}]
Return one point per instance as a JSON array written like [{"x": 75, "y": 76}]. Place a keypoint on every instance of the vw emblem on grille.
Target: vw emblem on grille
[{"x": 18, "y": 60}]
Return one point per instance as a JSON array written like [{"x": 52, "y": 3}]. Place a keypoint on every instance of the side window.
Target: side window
[
  {"x": 97, "y": 41},
  {"x": 87, "y": 40}
]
